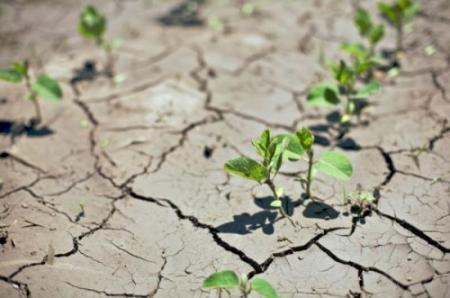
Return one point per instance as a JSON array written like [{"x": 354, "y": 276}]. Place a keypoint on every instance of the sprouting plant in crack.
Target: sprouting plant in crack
[
  {"x": 272, "y": 150},
  {"x": 229, "y": 280},
  {"x": 41, "y": 86},
  {"x": 92, "y": 25},
  {"x": 331, "y": 163},
  {"x": 398, "y": 14},
  {"x": 361, "y": 202},
  {"x": 346, "y": 89}
]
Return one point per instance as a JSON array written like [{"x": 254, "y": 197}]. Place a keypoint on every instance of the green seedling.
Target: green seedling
[
  {"x": 346, "y": 88},
  {"x": 398, "y": 14},
  {"x": 330, "y": 163},
  {"x": 229, "y": 280},
  {"x": 367, "y": 29},
  {"x": 92, "y": 25},
  {"x": 360, "y": 200},
  {"x": 272, "y": 150},
  {"x": 42, "y": 86}
]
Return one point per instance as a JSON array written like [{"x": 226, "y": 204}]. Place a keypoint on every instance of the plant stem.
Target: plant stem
[
  {"x": 310, "y": 168},
  {"x": 399, "y": 38},
  {"x": 272, "y": 187},
  {"x": 33, "y": 97}
]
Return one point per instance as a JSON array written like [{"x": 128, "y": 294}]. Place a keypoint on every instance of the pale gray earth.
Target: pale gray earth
[{"x": 144, "y": 158}]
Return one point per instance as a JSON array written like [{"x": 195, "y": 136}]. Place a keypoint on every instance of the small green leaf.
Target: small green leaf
[
  {"x": 344, "y": 74},
  {"x": 276, "y": 203},
  {"x": 335, "y": 164},
  {"x": 376, "y": 34},
  {"x": 356, "y": 50},
  {"x": 278, "y": 147},
  {"x": 306, "y": 138},
  {"x": 262, "y": 144},
  {"x": 91, "y": 24},
  {"x": 10, "y": 75},
  {"x": 223, "y": 280},
  {"x": 215, "y": 23},
  {"x": 21, "y": 67},
  {"x": 293, "y": 150},
  {"x": 388, "y": 12},
  {"x": 362, "y": 21},
  {"x": 264, "y": 288},
  {"x": 323, "y": 95},
  {"x": 47, "y": 88},
  {"x": 429, "y": 50},
  {"x": 246, "y": 168},
  {"x": 368, "y": 89}
]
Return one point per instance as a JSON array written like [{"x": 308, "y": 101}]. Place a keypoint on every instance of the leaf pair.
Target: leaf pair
[
  {"x": 229, "y": 280},
  {"x": 272, "y": 150},
  {"x": 92, "y": 24},
  {"x": 363, "y": 21},
  {"x": 44, "y": 85},
  {"x": 399, "y": 13}
]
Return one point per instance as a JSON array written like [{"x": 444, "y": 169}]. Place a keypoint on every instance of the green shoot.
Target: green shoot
[
  {"x": 228, "y": 280},
  {"x": 92, "y": 25},
  {"x": 360, "y": 200},
  {"x": 330, "y": 163},
  {"x": 367, "y": 29},
  {"x": 344, "y": 89},
  {"x": 272, "y": 150},
  {"x": 43, "y": 86},
  {"x": 399, "y": 14}
]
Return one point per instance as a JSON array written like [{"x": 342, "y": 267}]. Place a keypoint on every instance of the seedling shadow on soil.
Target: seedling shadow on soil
[
  {"x": 343, "y": 142},
  {"x": 184, "y": 14},
  {"x": 246, "y": 223},
  {"x": 87, "y": 73},
  {"x": 320, "y": 210},
  {"x": 15, "y": 129}
]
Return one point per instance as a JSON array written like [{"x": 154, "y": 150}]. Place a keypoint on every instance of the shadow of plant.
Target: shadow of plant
[
  {"x": 246, "y": 223},
  {"x": 15, "y": 129},
  {"x": 320, "y": 210},
  {"x": 184, "y": 14}
]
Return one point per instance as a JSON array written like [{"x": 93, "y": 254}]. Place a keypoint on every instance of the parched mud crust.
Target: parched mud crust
[{"x": 122, "y": 193}]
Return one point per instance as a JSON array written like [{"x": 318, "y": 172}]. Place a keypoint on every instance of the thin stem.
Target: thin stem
[
  {"x": 310, "y": 168},
  {"x": 32, "y": 96},
  {"x": 399, "y": 37},
  {"x": 272, "y": 187}
]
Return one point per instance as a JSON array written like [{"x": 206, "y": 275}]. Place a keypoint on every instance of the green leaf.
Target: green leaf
[
  {"x": 323, "y": 95},
  {"x": 388, "y": 12},
  {"x": 264, "y": 288},
  {"x": 335, "y": 164},
  {"x": 356, "y": 50},
  {"x": 293, "y": 150},
  {"x": 10, "y": 75},
  {"x": 368, "y": 89},
  {"x": 362, "y": 21},
  {"x": 223, "y": 280},
  {"x": 262, "y": 144},
  {"x": 91, "y": 24},
  {"x": 276, "y": 203},
  {"x": 344, "y": 74},
  {"x": 47, "y": 88},
  {"x": 306, "y": 138},
  {"x": 376, "y": 34},
  {"x": 278, "y": 147},
  {"x": 21, "y": 67},
  {"x": 246, "y": 168}
]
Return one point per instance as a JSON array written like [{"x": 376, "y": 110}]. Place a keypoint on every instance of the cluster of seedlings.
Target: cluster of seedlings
[{"x": 354, "y": 82}]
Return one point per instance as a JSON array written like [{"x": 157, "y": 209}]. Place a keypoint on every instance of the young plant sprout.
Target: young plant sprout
[
  {"x": 367, "y": 29},
  {"x": 228, "y": 280},
  {"x": 272, "y": 150},
  {"x": 346, "y": 88},
  {"x": 43, "y": 86},
  {"x": 92, "y": 25},
  {"x": 399, "y": 14},
  {"x": 360, "y": 201},
  {"x": 330, "y": 163}
]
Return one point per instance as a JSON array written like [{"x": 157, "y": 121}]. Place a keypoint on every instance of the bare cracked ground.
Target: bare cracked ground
[{"x": 124, "y": 184}]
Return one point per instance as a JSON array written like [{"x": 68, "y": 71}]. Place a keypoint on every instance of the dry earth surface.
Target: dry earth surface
[{"x": 124, "y": 184}]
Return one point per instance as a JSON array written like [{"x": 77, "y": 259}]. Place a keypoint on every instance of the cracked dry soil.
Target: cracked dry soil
[{"x": 122, "y": 192}]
